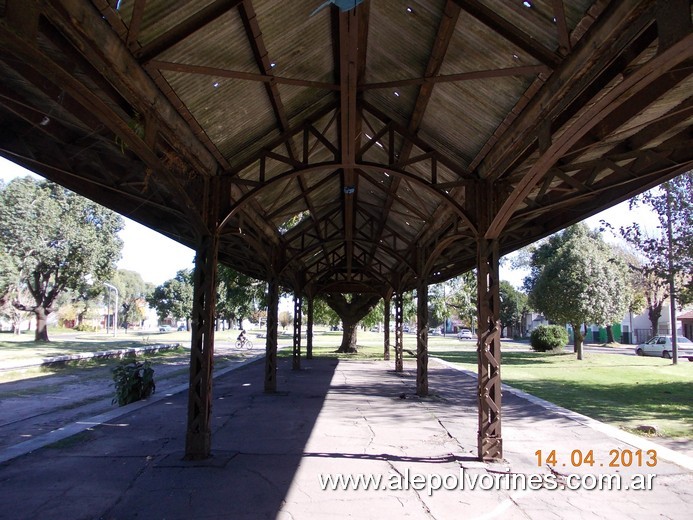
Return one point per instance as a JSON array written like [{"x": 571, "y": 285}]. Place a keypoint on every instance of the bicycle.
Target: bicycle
[{"x": 244, "y": 343}]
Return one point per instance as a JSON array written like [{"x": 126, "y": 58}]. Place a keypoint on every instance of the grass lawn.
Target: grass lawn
[
  {"x": 625, "y": 391},
  {"x": 15, "y": 348},
  {"x": 622, "y": 390}
]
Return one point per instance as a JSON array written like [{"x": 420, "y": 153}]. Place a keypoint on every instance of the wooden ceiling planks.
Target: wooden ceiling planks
[{"x": 347, "y": 145}]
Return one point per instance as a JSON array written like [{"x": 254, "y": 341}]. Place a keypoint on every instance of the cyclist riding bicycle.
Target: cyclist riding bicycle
[{"x": 243, "y": 341}]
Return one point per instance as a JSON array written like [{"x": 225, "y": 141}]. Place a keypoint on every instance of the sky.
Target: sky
[{"x": 158, "y": 258}]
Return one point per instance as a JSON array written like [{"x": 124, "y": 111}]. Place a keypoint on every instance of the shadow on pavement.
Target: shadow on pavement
[{"x": 134, "y": 467}]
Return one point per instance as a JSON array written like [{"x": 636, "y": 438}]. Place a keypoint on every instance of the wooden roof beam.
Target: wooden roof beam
[
  {"x": 561, "y": 26},
  {"x": 446, "y": 29},
  {"x": 611, "y": 36},
  {"x": 349, "y": 66},
  {"x": 510, "y": 32},
  {"x": 267, "y": 78},
  {"x": 120, "y": 69},
  {"x": 184, "y": 29},
  {"x": 526, "y": 70},
  {"x": 257, "y": 44},
  {"x": 605, "y": 107}
]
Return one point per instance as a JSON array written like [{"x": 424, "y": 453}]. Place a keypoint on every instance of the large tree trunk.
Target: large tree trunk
[
  {"x": 41, "y": 313},
  {"x": 350, "y": 312},
  {"x": 610, "y": 334},
  {"x": 349, "y": 335},
  {"x": 577, "y": 340},
  {"x": 80, "y": 316},
  {"x": 41, "y": 324},
  {"x": 654, "y": 312}
]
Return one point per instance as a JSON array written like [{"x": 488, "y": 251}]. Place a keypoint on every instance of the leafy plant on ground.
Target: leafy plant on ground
[
  {"x": 548, "y": 338},
  {"x": 133, "y": 381}
]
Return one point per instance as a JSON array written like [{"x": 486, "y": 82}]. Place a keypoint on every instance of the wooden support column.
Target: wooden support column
[
  {"x": 399, "y": 332},
  {"x": 386, "y": 323},
  {"x": 198, "y": 436},
  {"x": 271, "y": 345},
  {"x": 298, "y": 307},
  {"x": 422, "y": 338},
  {"x": 309, "y": 328},
  {"x": 490, "y": 443}
]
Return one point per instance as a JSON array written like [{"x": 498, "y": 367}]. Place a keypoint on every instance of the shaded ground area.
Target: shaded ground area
[
  {"x": 331, "y": 417},
  {"x": 60, "y": 394}
]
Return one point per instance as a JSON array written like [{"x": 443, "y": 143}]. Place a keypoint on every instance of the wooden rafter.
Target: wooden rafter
[
  {"x": 510, "y": 32},
  {"x": 622, "y": 93},
  {"x": 257, "y": 44},
  {"x": 533, "y": 155},
  {"x": 435, "y": 61},
  {"x": 185, "y": 28}
]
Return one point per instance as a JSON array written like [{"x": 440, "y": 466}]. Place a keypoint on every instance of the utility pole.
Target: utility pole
[
  {"x": 672, "y": 296},
  {"x": 115, "y": 310}
]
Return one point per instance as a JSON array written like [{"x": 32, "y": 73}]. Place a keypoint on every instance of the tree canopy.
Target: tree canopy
[
  {"x": 513, "y": 307},
  {"x": 174, "y": 297},
  {"x": 132, "y": 294},
  {"x": 323, "y": 313},
  {"x": 55, "y": 240},
  {"x": 665, "y": 254},
  {"x": 238, "y": 295},
  {"x": 454, "y": 298},
  {"x": 576, "y": 279}
]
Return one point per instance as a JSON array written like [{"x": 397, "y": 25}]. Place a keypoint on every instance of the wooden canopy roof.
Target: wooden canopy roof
[{"x": 349, "y": 150}]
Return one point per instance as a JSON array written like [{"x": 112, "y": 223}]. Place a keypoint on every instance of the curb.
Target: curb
[
  {"x": 638, "y": 442},
  {"x": 69, "y": 430},
  {"x": 88, "y": 355}
]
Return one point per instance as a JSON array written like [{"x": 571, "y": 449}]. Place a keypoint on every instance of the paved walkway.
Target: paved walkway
[{"x": 333, "y": 417}]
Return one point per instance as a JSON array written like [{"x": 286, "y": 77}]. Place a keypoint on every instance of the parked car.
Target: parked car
[
  {"x": 181, "y": 327},
  {"x": 661, "y": 346},
  {"x": 165, "y": 328},
  {"x": 465, "y": 334},
  {"x": 433, "y": 332},
  {"x": 406, "y": 329}
]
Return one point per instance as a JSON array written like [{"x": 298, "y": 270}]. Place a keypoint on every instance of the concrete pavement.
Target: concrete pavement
[{"x": 350, "y": 418}]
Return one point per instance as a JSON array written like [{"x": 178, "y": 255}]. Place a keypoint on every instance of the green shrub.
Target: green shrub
[
  {"x": 547, "y": 338},
  {"x": 133, "y": 381},
  {"x": 85, "y": 328}
]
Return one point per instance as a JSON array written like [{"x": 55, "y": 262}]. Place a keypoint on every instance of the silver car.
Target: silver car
[
  {"x": 465, "y": 334},
  {"x": 660, "y": 346}
]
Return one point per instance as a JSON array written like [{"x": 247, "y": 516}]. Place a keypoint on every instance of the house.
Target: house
[
  {"x": 641, "y": 327},
  {"x": 686, "y": 319}
]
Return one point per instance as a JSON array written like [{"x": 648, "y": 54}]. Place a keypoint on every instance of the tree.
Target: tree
[
  {"x": 238, "y": 295},
  {"x": 285, "y": 319},
  {"x": 576, "y": 279},
  {"x": 56, "y": 239},
  {"x": 132, "y": 294},
  {"x": 174, "y": 298},
  {"x": 454, "y": 298},
  {"x": 513, "y": 306},
  {"x": 8, "y": 275},
  {"x": 323, "y": 313},
  {"x": 375, "y": 317},
  {"x": 666, "y": 256},
  {"x": 351, "y": 309}
]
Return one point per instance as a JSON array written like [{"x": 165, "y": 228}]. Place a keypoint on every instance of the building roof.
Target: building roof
[
  {"x": 354, "y": 150},
  {"x": 685, "y": 316}
]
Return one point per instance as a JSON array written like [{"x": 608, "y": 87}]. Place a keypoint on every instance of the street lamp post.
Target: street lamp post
[{"x": 115, "y": 310}]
